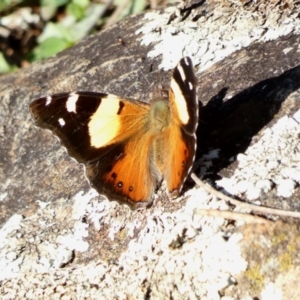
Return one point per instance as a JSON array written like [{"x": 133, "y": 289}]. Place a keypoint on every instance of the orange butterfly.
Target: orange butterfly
[{"x": 127, "y": 146}]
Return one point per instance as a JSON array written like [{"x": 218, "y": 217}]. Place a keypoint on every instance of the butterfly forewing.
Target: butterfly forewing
[
  {"x": 73, "y": 118},
  {"x": 183, "y": 96},
  {"x": 182, "y": 132}
]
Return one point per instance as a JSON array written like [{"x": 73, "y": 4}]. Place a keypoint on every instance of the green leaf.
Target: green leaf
[
  {"x": 76, "y": 10},
  {"x": 56, "y": 3},
  {"x": 126, "y": 10},
  {"x": 82, "y": 28},
  {"x": 49, "y": 7},
  {"x": 138, "y": 6},
  {"x": 50, "y": 47},
  {"x": 82, "y": 3},
  {"x": 6, "y": 4},
  {"x": 57, "y": 30},
  {"x": 4, "y": 66},
  {"x": 133, "y": 7}
]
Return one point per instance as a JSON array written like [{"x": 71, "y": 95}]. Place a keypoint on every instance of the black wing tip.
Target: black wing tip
[{"x": 186, "y": 61}]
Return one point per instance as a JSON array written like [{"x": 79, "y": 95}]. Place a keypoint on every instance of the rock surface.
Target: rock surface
[{"x": 59, "y": 239}]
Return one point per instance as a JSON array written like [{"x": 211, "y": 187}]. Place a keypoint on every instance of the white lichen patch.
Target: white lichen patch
[
  {"x": 51, "y": 256},
  {"x": 163, "y": 263},
  {"x": 44, "y": 241},
  {"x": 211, "y": 38},
  {"x": 272, "y": 161},
  {"x": 182, "y": 253},
  {"x": 270, "y": 291},
  {"x": 9, "y": 261},
  {"x": 3, "y": 196},
  {"x": 75, "y": 240}
]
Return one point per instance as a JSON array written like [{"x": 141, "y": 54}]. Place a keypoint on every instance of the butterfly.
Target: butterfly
[{"x": 128, "y": 147}]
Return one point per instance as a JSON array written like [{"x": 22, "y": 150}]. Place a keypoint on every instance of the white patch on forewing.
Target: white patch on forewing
[
  {"x": 105, "y": 123},
  {"x": 48, "y": 100},
  {"x": 186, "y": 61},
  {"x": 182, "y": 73},
  {"x": 61, "y": 122},
  {"x": 191, "y": 86},
  {"x": 71, "y": 103},
  {"x": 180, "y": 102}
]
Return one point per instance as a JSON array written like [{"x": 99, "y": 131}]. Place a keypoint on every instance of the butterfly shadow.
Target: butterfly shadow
[{"x": 231, "y": 125}]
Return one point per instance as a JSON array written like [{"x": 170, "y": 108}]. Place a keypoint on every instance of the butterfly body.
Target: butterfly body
[{"x": 127, "y": 146}]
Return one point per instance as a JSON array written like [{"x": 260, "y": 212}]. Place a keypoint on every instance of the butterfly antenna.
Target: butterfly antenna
[{"x": 128, "y": 52}]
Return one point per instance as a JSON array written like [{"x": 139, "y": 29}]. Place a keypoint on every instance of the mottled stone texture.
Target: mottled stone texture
[{"x": 59, "y": 239}]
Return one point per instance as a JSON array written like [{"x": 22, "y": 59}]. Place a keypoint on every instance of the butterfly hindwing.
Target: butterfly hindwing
[
  {"x": 178, "y": 159},
  {"x": 123, "y": 173}
]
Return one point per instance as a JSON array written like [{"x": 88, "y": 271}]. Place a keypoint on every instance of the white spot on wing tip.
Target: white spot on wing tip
[
  {"x": 186, "y": 61},
  {"x": 182, "y": 73},
  {"x": 61, "y": 122},
  {"x": 71, "y": 102},
  {"x": 48, "y": 100}
]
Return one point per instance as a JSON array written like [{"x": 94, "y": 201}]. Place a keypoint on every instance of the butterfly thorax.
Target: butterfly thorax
[
  {"x": 160, "y": 120},
  {"x": 159, "y": 115}
]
